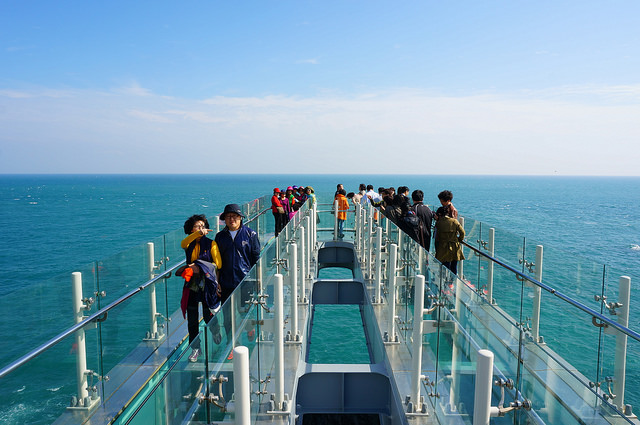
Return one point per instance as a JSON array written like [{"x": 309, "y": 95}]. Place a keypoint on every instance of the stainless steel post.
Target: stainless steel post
[
  {"x": 392, "y": 270},
  {"x": 278, "y": 341},
  {"x": 293, "y": 276},
  {"x": 416, "y": 354},
  {"x": 241, "y": 385},
  {"x": 378, "y": 280},
  {"x": 461, "y": 262},
  {"x": 482, "y": 410},
  {"x": 537, "y": 295},
  {"x": 153, "y": 316},
  {"x": 303, "y": 270},
  {"x": 81, "y": 352},
  {"x": 620, "y": 365},
  {"x": 492, "y": 242}
]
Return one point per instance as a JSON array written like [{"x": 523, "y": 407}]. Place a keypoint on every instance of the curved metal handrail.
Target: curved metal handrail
[
  {"x": 553, "y": 291},
  {"x": 97, "y": 316}
]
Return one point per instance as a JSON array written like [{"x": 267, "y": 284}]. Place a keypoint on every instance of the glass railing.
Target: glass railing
[
  {"x": 123, "y": 339},
  {"x": 202, "y": 392},
  {"x": 567, "y": 361}
]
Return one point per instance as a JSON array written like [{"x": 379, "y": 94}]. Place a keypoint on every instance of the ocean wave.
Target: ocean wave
[
  {"x": 53, "y": 390},
  {"x": 24, "y": 387},
  {"x": 10, "y": 415},
  {"x": 635, "y": 247}
]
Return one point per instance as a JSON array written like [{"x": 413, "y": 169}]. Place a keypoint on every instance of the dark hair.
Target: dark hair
[
  {"x": 338, "y": 186},
  {"x": 350, "y": 194},
  {"x": 342, "y": 191},
  {"x": 445, "y": 195},
  {"x": 362, "y": 186},
  {"x": 369, "y": 187},
  {"x": 444, "y": 211},
  {"x": 417, "y": 196},
  {"x": 403, "y": 189},
  {"x": 188, "y": 225}
]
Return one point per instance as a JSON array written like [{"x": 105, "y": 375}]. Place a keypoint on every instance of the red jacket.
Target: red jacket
[{"x": 275, "y": 203}]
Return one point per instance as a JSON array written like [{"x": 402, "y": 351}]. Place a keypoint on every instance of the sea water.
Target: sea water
[{"x": 53, "y": 225}]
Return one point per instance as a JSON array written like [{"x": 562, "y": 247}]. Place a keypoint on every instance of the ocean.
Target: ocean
[{"x": 52, "y": 225}]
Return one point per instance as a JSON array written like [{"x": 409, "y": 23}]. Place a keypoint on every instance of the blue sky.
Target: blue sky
[{"x": 429, "y": 87}]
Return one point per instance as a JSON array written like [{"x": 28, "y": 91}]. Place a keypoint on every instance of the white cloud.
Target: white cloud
[
  {"x": 134, "y": 89},
  {"x": 572, "y": 130},
  {"x": 312, "y": 61}
]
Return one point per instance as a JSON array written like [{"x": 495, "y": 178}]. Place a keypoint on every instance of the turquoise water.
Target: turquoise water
[
  {"x": 338, "y": 344},
  {"x": 53, "y": 225}
]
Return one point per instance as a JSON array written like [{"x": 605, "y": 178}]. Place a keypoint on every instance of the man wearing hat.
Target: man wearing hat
[
  {"x": 278, "y": 211},
  {"x": 239, "y": 249}
]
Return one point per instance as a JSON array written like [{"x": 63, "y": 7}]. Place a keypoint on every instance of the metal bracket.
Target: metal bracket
[
  {"x": 514, "y": 405},
  {"x": 217, "y": 400},
  {"x": 259, "y": 299},
  {"x": 529, "y": 265},
  {"x": 609, "y": 395},
  {"x": 610, "y": 306}
]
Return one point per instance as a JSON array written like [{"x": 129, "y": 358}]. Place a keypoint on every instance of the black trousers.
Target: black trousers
[
  {"x": 280, "y": 222},
  {"x": 193, "y": 316}
]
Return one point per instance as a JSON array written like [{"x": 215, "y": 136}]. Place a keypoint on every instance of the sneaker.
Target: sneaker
[
  {"x": 251, "y": 335},
  {"x": 230, "y": 357},
  {"x": 194, "y": 355}
]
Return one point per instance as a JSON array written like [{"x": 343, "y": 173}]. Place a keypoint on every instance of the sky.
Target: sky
[{"x": 357, "y": 87}]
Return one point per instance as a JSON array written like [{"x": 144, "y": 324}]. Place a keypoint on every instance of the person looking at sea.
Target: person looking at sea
[
  {"x": 343, "y": 207},
  {"x": 449, "y": 235},
  {"x": 425, "y": 215},
  {"x": 445, "y": 198},
  {"x": 339, "y": 187}
]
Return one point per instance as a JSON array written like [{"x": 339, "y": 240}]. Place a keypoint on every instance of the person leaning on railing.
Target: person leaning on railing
[{"x": 448, "y": 238}]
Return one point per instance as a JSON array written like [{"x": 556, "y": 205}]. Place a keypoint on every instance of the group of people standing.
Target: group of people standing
[
  {"x": 285, "y": 203},
  {"x": 214, "y": 268},
  {"x": 413, "y": 217}
]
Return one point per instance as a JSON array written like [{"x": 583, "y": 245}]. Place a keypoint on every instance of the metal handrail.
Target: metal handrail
[
  {"x": 95, "y": 316},
  {"x": 566, "y": 298},
  {"x": 258, "y": 215},
  {"x": 90, "y": 319}
]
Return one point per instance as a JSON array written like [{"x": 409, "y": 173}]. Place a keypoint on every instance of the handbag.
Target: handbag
[{"x": 280, "y": 210}]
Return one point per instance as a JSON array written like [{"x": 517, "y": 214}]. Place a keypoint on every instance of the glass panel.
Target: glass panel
[
  {"x": 40, "y": 391},
  {"x": 472, "y": 267},
  {"x": 560, "y": 382},
  {"x": 555, "y": 372},
  {"x": 618, "y": 375},
  {"x": 52, "y": 375}
]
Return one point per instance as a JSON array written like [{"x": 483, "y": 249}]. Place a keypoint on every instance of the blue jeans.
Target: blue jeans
[{"x": 341, "y": 228}]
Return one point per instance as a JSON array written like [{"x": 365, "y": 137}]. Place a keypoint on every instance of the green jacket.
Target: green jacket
[{"x": 449, "y": 234}]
